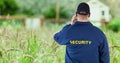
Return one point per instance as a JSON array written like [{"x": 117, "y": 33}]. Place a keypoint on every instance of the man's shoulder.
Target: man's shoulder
[
  {"x": 67, "y": 26},
  {"x": 98, "y": 30}
]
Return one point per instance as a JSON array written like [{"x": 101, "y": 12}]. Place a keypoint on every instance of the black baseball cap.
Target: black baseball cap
[{"x": 83, "y": 9}]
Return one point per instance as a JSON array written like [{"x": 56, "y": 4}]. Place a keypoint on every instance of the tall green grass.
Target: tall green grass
[
  {"x": 28, "y": 46},
  {"x": 114, "y": 45}
]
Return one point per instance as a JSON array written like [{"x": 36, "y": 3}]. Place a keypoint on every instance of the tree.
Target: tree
[{"x": 8, "y": 7}]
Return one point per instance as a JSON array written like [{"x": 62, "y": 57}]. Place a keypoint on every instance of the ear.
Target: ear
[
  {"x": 76, "y": 14},
  {"x": 89, "y": 15}
]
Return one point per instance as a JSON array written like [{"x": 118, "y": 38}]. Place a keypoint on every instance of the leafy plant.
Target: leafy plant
[{"x": 114, "y": 25}]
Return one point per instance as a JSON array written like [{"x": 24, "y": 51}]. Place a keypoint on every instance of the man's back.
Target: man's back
[{"x": 84, "y": 43}]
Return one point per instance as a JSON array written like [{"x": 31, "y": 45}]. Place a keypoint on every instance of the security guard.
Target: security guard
[{"x": 84, "y": 42}]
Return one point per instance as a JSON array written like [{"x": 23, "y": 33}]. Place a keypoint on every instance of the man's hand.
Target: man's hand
[{"x": 73, "y": 19}]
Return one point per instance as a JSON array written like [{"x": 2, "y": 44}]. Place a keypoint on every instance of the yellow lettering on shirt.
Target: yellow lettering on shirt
[{"x": 80, "y": 42}]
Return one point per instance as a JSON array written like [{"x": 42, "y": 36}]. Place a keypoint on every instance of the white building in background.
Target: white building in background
[
  {"x": 98, "y": 11},
  {"x": 32, "y": 23}
]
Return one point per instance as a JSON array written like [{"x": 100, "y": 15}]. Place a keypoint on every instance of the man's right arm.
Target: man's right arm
[{"x": 60, "y": 37}]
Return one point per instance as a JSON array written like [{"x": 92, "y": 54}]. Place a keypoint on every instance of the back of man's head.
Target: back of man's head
[{"x": 83, "y": 9}]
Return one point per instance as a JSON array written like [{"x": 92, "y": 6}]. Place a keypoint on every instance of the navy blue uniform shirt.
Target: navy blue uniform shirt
[{"x": 84, "y": 42}]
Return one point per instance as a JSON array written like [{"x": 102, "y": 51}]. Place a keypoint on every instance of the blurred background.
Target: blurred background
[{"x": 27, "y": 28}]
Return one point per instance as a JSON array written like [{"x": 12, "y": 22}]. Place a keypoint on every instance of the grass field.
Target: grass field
[{"x": 38, "y": 46}]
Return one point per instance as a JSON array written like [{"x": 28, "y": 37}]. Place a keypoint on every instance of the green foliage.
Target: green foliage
[
  {"x": 8, "y": 7},
  {"x": 114, "y": 25},
  {"x": 25, "y": 59},
  {"x": 11, "y": 23},
  {"x": 51, "y": 12},
  {"x": 27, "y": 12}
]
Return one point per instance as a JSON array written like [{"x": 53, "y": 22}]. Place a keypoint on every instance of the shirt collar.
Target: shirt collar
[{"x": 83, "y": 23}]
